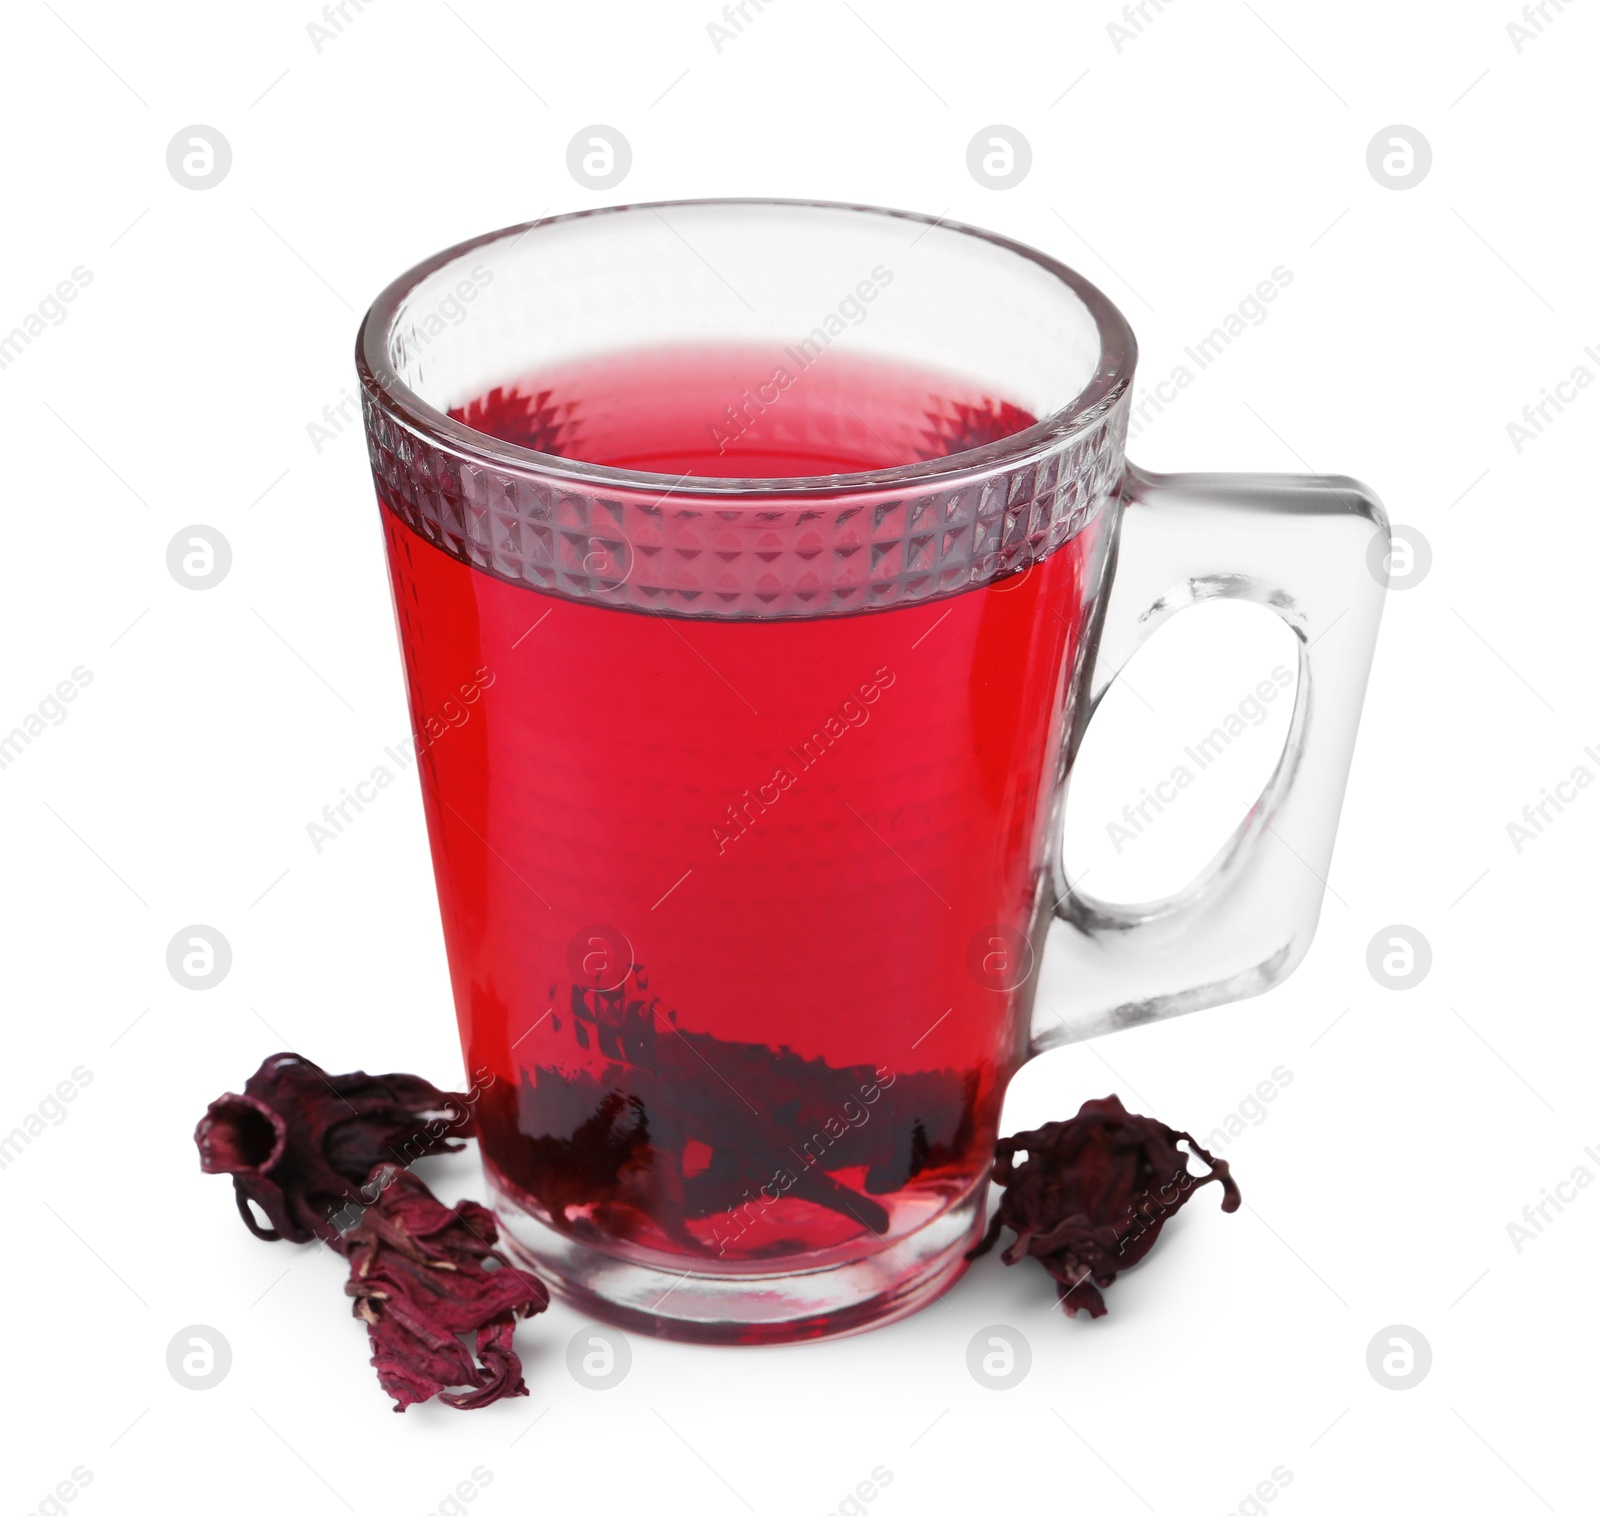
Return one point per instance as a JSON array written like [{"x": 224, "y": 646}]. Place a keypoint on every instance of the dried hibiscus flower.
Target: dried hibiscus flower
[
  {"x": 301, "y": 1143},
  {"x": 1093, "y": 1196},
  {"x": 324, "y": 1156},
  {"x": 421, "y": 1279}
]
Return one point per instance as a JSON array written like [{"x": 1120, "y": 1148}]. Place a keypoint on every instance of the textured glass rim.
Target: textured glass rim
[{"x": 1113, "y": 373}]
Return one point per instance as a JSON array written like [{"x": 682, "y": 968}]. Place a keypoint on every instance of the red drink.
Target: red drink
[
  {"x": 738, "y": 911},
  {"x": 747, "y": 659}
]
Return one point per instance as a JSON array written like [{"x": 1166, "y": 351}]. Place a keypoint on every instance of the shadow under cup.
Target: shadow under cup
[{"x": 742, "y": 791}]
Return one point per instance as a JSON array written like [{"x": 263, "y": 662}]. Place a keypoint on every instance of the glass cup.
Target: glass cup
[{"x": 745, "y": 794}]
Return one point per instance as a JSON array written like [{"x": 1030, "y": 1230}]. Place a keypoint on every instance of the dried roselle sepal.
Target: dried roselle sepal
[
  {"x": 1093, "y": 1196},
  {"x": 418, "y": 1275},
  {"x": 301, "y": 1142}
]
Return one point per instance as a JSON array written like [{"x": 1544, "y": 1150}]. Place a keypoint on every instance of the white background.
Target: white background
[{"x": 1222, "y": 141}]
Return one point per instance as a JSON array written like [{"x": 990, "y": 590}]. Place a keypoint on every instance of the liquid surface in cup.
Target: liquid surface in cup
[
  {"x": 743, "y": 412},
  {"x": 739, "y": 912}
]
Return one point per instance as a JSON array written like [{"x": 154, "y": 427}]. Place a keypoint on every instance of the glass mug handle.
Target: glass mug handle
[{"x": 1303, "y": 547}]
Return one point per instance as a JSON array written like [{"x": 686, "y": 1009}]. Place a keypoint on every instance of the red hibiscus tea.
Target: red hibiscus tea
[
  {"x": 739, "y": 912},
  {"x": 749, "y": 561}
]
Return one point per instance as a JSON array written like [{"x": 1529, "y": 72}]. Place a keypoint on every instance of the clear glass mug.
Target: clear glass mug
[{"x": 744, "y": 794}]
